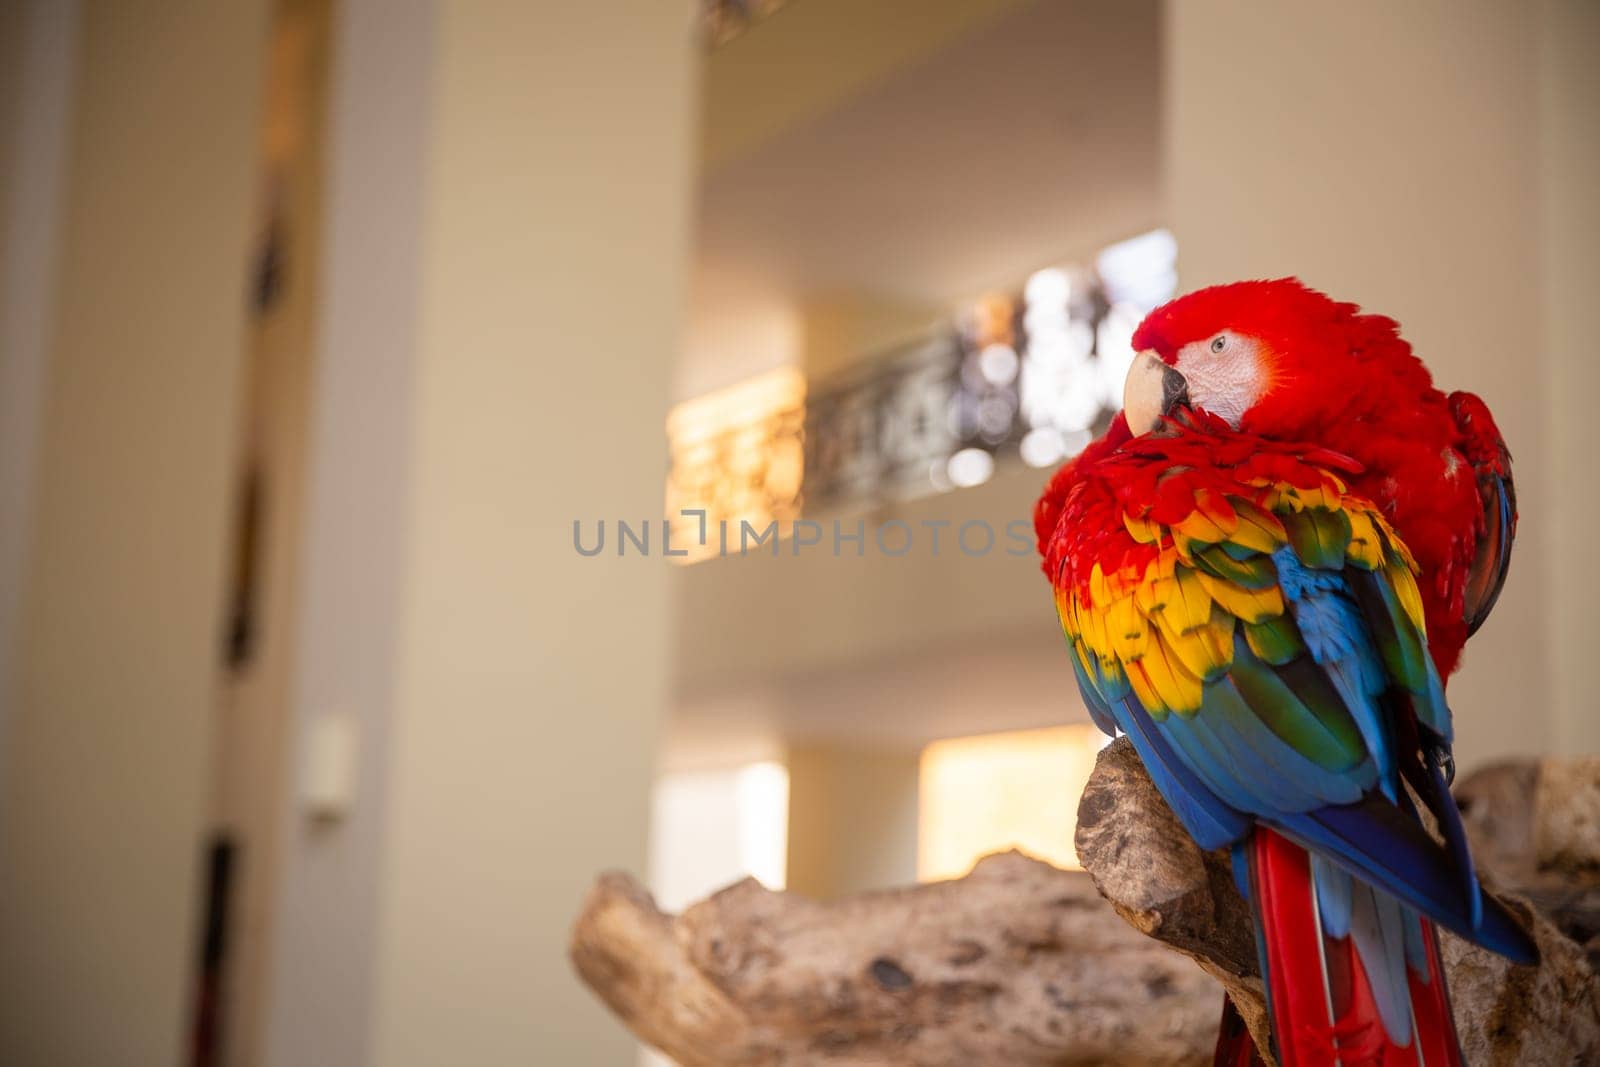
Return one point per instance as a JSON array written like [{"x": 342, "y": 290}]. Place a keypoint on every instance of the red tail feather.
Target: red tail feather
[{"x": 1321, "y": 1001}]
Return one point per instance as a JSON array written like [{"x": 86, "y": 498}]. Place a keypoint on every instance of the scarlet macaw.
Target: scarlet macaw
[{"x": 1265, "y": 570}]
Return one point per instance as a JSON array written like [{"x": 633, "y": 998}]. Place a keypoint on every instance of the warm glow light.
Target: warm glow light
[
  {"x": 738, "y": 455},
  {"x": 1051, "y": 287},
  {"x": 1115, "y": 343},
  {"x": 1042, "y": 447},
  {"x": 999, "y": 791},
  {"x": 1141, "y": 270},
  {"x": 711, "y": 828},
  {"x": 970, "y": 466},
  {"x": 708, "y": 829},
  {"x": 763, "y": 802},
  {"x": 746, "y": 401},
  {"x": 998, "y": 364}
]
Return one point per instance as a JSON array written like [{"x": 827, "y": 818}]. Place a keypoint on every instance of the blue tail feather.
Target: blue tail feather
[
  {"x": 1377, "y": 843},
  {"x": 1377, "y": 929}
]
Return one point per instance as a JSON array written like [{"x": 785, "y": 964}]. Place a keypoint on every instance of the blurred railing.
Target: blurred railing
[
  {"x": 1031, "y": 376},
  {"x": 736, "y": 455}
]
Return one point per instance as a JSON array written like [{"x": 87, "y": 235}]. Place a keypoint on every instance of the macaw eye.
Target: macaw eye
[{"x": 1219, "y": 343}]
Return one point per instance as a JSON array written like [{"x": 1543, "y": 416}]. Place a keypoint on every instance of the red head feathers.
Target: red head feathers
[
  {"x": 1280, "y": 360},
  {"x": 1312, "y": 361}
]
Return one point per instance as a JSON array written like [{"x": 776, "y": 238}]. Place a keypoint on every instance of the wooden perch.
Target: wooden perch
[
  {"x": 1020, "y": 963},
  {"x": 1160, "y": 882},
  {"x": 1017, "y": 963}
]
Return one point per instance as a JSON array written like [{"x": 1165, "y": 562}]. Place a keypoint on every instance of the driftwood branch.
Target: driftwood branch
[
  {"x": 1162, "y": 884},
  {"x": 1020, "y": 963}
]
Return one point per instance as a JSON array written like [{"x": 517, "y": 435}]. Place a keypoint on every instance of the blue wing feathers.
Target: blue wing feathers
[
  {"x": 1383, "y": 847},
  {"x": 1209, "y": 821},
  {"x": 1455, "y": 835},
  {"x": 1303, "y": 784},
  {"x": 1099, "y": 711},
  {"x": 1248, "y": 785},
  {"x": 1325, "y": 611},
  {"x": 1314, "y": 744},
  {"x": 1435, "y": 793}
]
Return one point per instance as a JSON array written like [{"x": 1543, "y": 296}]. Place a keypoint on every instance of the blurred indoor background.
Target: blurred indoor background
[{"x": 334, "y": 333}]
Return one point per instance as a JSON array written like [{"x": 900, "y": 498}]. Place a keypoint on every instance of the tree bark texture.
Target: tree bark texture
[{"x": 1021, "y": 963}]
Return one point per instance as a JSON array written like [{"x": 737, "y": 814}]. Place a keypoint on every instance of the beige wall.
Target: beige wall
[
  {"x": 1389, "y": 154},
  {"x": 796, "y": 64},
  {"x": 531, "y": 682},
  {"x": 38, "y": 53},
  {"x": 852, "y": 819},
  {"x": 841, "y": 610},
  {"x": 1569, "y": 269},
  {"x": 507, "y": 214},
  {"x": 324, "y": 927},
  {"x": 106, "y": 757}
]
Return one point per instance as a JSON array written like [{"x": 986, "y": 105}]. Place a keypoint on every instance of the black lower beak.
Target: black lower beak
[
  {"x": 1174, "y": 391},
  {"x": 1153, "y": 391}
]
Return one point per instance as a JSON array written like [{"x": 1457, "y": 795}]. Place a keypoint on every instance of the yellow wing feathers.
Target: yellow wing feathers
[{"x": 1161, "y": 608}]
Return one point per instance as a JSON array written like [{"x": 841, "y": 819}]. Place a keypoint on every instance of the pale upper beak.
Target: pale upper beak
[{"x": 1152, "y": 391}]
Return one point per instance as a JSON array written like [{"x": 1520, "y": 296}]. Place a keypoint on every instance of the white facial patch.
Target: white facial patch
[{"x": 1225, "y": 374}]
